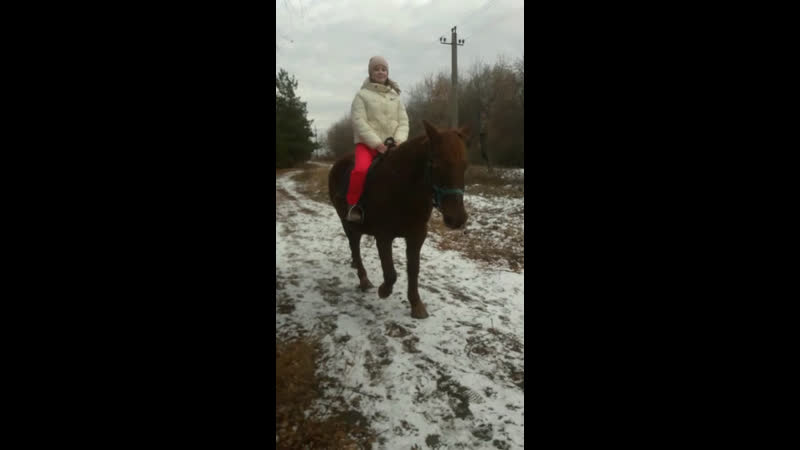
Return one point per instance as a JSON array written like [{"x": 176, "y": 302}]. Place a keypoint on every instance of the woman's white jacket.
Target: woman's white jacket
[{"x": 378, "y": 113}]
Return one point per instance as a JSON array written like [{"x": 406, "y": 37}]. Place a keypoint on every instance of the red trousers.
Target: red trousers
[{"x": 364, "y": 156}]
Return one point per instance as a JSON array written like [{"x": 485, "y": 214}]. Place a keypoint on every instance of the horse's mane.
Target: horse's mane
[
  {"x": 423, "y": 138},
  {"x": 413, "y": 145},
  {"x": 419, "y": 142}
]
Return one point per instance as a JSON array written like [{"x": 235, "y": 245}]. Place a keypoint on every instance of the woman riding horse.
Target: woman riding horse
[
  {"x": 379, "y": 119},
  {"x": 422, "y": 173}
]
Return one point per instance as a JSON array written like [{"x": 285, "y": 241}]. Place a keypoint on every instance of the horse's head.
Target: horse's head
[{"x": 448, "y": 162}]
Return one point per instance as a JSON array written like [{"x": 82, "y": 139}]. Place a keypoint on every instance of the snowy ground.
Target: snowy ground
[{"x": 453, "y": 380}]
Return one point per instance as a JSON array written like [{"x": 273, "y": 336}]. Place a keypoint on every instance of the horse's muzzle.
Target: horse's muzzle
[
  {"x": 453, "y": 212},
  {"x": 455, "y": 221}
]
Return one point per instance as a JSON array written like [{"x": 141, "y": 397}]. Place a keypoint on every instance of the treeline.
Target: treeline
[
  {"x": 294, "y": 140},
  {"x": 491, "y": 99}
]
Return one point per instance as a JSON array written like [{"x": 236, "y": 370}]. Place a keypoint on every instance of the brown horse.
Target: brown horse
[{"x": 398, "y": 198}]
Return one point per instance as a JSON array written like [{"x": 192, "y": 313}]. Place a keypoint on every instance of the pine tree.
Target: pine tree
[{"x": 293, "y": 135}]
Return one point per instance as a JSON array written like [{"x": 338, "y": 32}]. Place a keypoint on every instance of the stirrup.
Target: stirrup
[{"x": 354, "y": 215}]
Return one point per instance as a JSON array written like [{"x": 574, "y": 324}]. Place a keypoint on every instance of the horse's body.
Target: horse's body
[{"x": 397, "y": 202}]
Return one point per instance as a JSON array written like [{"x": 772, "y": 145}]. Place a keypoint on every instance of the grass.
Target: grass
[
  {"x": 313, "y": 182},
  {"x": 479, "y": 180},
  {"x": 509, "y": 252},
  {"x": 297, "y": 387}
]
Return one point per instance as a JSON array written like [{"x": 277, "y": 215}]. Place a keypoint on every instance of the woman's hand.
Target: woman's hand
[{"x": 380, "y": 148}]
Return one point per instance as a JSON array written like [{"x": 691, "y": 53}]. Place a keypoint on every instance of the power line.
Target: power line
[
  {"x": 482, "y": 8},
  {"x": 500, "y": 19}
]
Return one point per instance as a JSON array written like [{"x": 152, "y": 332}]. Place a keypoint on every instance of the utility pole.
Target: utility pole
[{"x": 454, "y": 41}]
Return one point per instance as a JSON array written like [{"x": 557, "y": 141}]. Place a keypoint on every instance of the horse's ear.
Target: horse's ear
[
  {"x": 465, "y": 132},
  {"x": 430, "y": 130}
]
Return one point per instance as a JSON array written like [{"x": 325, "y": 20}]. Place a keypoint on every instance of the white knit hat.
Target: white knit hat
[{"x": 374, "y": 61}]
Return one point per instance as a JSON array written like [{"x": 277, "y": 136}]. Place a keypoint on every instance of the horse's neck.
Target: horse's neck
[{"x": 410, "y": 163}]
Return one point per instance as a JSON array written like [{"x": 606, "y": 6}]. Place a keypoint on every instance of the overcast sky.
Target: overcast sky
[{"x": 326, "y": 44}]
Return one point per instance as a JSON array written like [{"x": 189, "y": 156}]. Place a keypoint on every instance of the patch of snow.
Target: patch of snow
[{"x": 411, "y": 376}]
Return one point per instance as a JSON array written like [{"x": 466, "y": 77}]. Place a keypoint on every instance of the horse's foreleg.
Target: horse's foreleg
[
  {"x": 355, "y": 249},
  {"x": 389, "y": 274},
  {"x": 413, "y": 247}
]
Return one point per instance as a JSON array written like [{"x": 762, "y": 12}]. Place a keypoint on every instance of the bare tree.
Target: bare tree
[{"x": 339, "y": 137}]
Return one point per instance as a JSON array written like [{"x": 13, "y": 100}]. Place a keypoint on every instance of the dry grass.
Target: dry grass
[
  {"x": 477, "y": 173},
  {"x": 479, "y": 180},
  {"x": 313, "y": 182},
  {"x": 509, "y": 252},
  {"x": 300, "y": 167},
  {"x": 297, "y": 386}
]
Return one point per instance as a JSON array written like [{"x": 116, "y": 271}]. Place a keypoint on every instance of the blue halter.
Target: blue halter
[{"x": 438, "y": 192}]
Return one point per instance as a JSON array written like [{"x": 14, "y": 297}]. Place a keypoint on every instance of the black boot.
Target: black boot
[{"x": 355, "y": 214}]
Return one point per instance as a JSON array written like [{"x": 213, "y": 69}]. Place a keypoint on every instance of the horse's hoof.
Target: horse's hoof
[
  {"x": 384, "y": 291},
  {"x": 365, "y": 285},
  {"x": 419, "y": 313}
]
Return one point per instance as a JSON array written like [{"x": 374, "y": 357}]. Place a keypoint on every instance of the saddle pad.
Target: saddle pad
[
  {"x": 346, "y": 181},
  {"x": 345, "y": 184}
]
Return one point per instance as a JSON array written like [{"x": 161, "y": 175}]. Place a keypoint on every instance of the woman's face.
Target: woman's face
[{"x": 379, "y": 73}]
